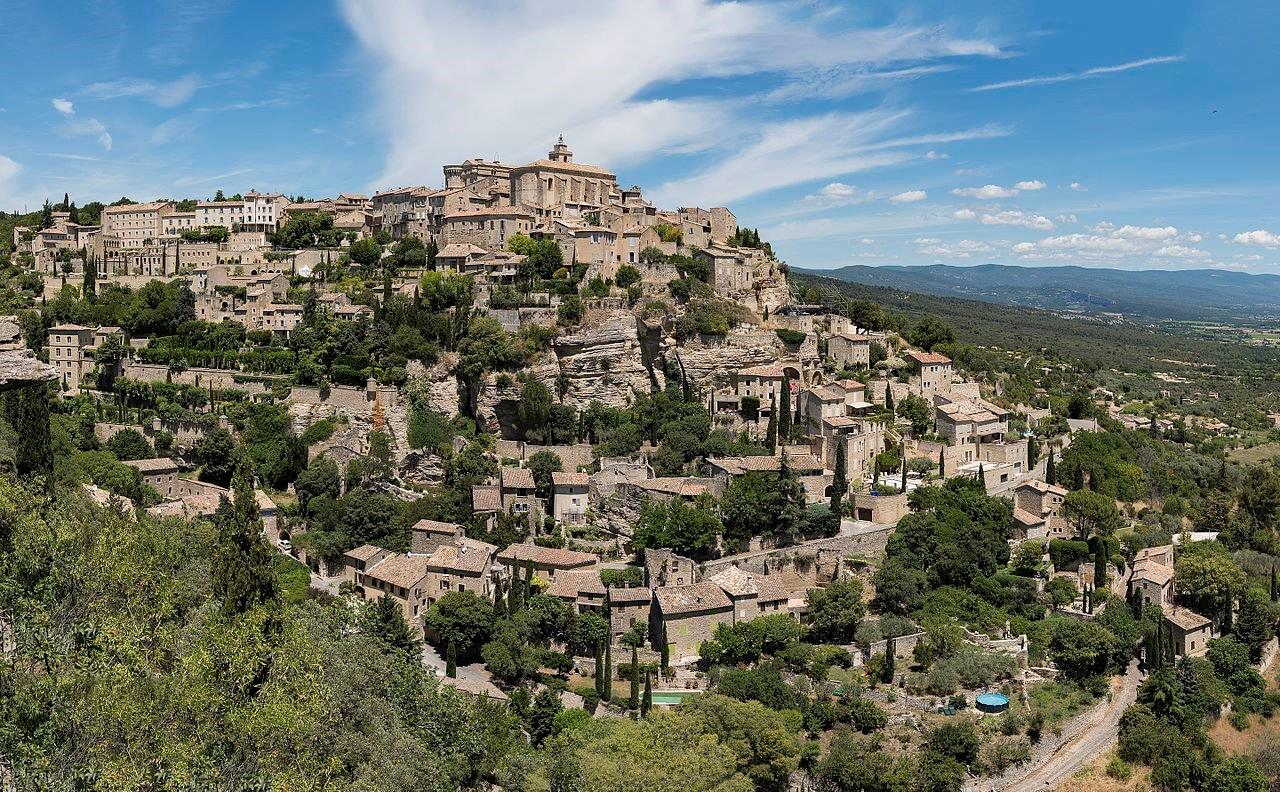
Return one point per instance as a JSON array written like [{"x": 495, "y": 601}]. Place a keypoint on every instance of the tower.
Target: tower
[{"x": 560, "y": 152}]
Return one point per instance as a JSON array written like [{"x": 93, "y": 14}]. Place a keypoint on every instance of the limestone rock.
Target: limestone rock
[
  {"x": 605, "y": 364},
  {"x": 711, "y": 363},
  {"x": 20, "y": 369}
]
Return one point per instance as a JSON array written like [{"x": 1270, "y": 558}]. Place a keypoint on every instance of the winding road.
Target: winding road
[{"x": 1087, "y": 745}]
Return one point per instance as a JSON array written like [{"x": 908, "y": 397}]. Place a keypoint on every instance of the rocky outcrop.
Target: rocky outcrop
[
  {"x": 604, "y": 364},
  {"x": 422, "y": 467},
  {"x": 20, "y": 369},
  {"x": 710, "y": 363},
  {"x": 437, "y": 384}
]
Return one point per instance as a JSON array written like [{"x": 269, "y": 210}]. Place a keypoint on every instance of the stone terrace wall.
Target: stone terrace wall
[{"x": 220, "y": 379}]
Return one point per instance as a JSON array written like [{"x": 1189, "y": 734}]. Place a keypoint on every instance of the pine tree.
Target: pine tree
[
  {"x": 784, "y": 414},
  {"x": 451, "y": 661},
  {"x": 771, "y": 433},
  {"x": 242, "y": 561},
  {"x": 634, "y": 701},
  {"x": 646, "y": 703},
  {"x": 388, "y": 625},
  {"x": 1050, "y": 469},
  {"x": 840, "y": 481}
]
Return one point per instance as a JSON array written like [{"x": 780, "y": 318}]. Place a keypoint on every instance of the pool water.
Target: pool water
[{"x": 670, "y": 698}]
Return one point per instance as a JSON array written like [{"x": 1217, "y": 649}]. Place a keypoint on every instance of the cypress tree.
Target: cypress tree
[
  {"x": 634, "y": 701},
  {"x": 1100, "y": 565},
  {"x": 451, "y": 661},
  {"x": 982, "y": 475},
  {"x": 904, "y": 472},
  {"x": 28, "y": 413},
  {"x": 499, "y": 601},
  {"x": 888, "y": 399},
  {"x": 887, "y": 671},
  {"x": 90, "y": 277},
  {"x": 784, "y": 413},
  {"x": 242, "y": 561},
  {"x": 1077, "y": 478},
  {"x": 665, "y": 651},
  {"x": 840, "y": 485},
  {"x": 646, "y": 703},
  {"x": 599, "y": 672},
  {"x": 942, "y": 463},
  {"x": 1050, "y": 469},
  {"x": 771, "y": 433},
  {"x": 608, "y": 670},
  {"x": 1033, "y": 452},
  {"x": 1275, "y": 586}
]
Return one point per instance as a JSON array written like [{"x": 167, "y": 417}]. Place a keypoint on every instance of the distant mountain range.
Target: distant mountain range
[{"x": 1214, "y": 295}]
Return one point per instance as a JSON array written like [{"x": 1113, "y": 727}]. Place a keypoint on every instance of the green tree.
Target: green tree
[
  {"x": 541, "y": 466},
  {"x": 767, "y": 745},
  {"x": 386, "y": 623},
  {"x": 930, "y": 332},
  {"x": 129, "y": 444},
  {"x": 215, "y": 451},
  {"x": 461, "y": 618},
  {"x": 242, "y": 561},
  {"x": 784, "y": 413},
  {"x": 451, "y": 661},
  {"x": 1093, "y": 513},
  {"x": 1208, "y": 581},
  {"x": 1254, "y": 626},
  {"x": 839, "y": 481},
  {"x": 634, "y": 700},
  {"x": 835, "y": 611}
]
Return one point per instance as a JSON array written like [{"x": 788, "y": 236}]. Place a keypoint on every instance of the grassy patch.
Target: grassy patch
[
  {"x": 293, "y": 576},
  {"x": 1256, "y": 455},
  {"x": 1057, "y": 701}
]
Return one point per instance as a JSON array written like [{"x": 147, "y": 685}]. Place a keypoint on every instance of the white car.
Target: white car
[{"x": 285, "y": 545}]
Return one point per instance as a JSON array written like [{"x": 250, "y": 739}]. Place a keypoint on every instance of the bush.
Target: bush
[
  {"x": 1119, "y": 769},
  {"x": 1238, "y": 720},
  {"x": 791, "y": 337}
]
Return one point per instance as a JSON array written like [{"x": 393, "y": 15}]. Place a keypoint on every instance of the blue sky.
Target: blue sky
[{"x": 1132, "y": 134}]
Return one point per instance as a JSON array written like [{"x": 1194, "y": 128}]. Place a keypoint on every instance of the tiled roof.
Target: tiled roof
[
  {"x": 573, "y": 584},
  {"x": 693, "y": 598},
  {"x": 768, "y": 372},
  {"x": 1150, "y": 570},
  {"x": 364, "y": 552},
  {"x": 570, "y": 479},
  {"x": 467, "y": 555},
  {"x": 486, "y": 497},
  {"x": 435, "y": 526},
  {"x": 778, "y": 586},
  {"x": 546, "y": 556},
  {"x": 630, "y": 596},
  {"x": 1025, "y": 517},
  {"x": 400, "y": 570},
  {"x": 1148, "y": 553},
  {"x": 1186, "y": 619},
  {"x": 1042, "y": 487},
  {"x": 735, "y": 581},
  {"x": 929, "y": 358},
  {"x": 460, "y": 250},
  {"x": 516, "y": 478},
  {"x": 547, "y": 164},
  {"x": 152, "y": 465}
]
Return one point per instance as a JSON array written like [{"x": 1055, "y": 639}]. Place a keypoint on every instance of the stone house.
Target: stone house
[
  {"x": 663, "y": 567},
  {"x": 357, "y": 560},
  {"x": 1191, "y": 631},
  {"x": 933, "y": 371},
  {"x": 558, "y": 186},
  {"x": 460, "y": 565},
  {"x": 403, "y": 578},
  {"x": 488, "y": 228},
  {"x": 968, "y": 423},
  {"x": 425, "y": 536},
  {"x": 849, "y": 350},
  {"x": 71, "y": 349},
  {"x": 741, "y": 589},
  {"x": 686, "y": 616},
  {"x": 548, "y": 562},
  {"x": 518, "y": 491},
  {"x": 581, "y": 589},
  {"x": 569, "y": 500},
  {"x": 1152, "y": 582},
  {"x": 1038, "y": 498},
  {"x": 159, "y": 474},
  {"x": 628, "y": 607}
]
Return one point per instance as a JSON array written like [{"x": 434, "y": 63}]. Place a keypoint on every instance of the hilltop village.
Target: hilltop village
[{"x": 567, "y": 446}]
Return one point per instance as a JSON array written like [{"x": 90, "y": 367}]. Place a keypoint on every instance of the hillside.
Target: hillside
[{"x": 1156, "y": 294}]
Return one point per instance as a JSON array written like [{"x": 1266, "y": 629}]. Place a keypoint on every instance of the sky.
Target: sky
[{"x": 1122, "y": 134}]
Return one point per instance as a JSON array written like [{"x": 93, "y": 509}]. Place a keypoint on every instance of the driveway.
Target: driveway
[{"x": 1095, "y": 739}]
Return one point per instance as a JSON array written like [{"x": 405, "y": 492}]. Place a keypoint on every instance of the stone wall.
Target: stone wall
[
  {"x": 219, "y": 379},
  {"x": 572, "y": 457},
  {"x": 816, "y": 560},
  {"x": 184, "y": 432},
  {"x": 346, "y": 397}
]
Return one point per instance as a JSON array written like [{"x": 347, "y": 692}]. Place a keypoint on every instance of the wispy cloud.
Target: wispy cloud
[
  {"x": 78, "y": 127},
  {"x": 189, "y": 181},
  {"x": 910, "y": 196},
  {"x": 63, "y": 106},
  {"x": 9, "y": 171},
  {"x": 1087, "y": 74},
  {"x": 667, "y": 100},
  {"x": 161, "y": 94}
]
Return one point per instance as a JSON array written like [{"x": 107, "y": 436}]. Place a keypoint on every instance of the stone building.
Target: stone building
[
  {"x": 159, "y": 474},
  {"x": 686, "y": 616},
  {"x": 71, "y": 349},
  {"x": 850, "y": 350},
  {"x": 547, "y": 562},
  {"x": 570, "y": 499},
  {"x": 933, "y": 372},
  {"x": 559, "y": 187}
]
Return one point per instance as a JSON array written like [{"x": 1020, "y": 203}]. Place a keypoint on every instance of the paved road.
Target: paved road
[{"x": 1093, "y": 741}]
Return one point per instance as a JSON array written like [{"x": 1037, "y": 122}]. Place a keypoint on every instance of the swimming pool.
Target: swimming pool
[{"x": 670, "y": 698}]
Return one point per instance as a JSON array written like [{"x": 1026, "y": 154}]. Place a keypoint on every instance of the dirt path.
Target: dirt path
[{"x": 1091, "y": 742}]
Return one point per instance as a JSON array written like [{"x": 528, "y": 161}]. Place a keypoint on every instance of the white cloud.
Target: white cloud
[
  {"x": 1087, "y": 74},
  {"x": 9, "y": 171},
  {"x": 927, "y": 241},
  {"x": 867, "y": 241},
  {"x": 623, "y": 114},
  {"x": 1078, "y": 187},
  {"x": 910, "y": 196},
  {"x": 1145, "y": 232},
  {"x": 963, "y": 249},
  {"x": 986, "y": 192},
  {"x": 1066, "y": 218},
  {"x": 162, "y": 94},
  {"x": 1029, "y": 186},
  {"x": 964, "y": 214},
  {"x": 1016, "y": 218},
  {"x": 1181, "y": 251},
  {"x": 836, "y": 194},
  {"x": 78, "y": 127},
  {"x": 936, "y": 155},
  {"x": 1258, "y": 237},
  {"x": 64, "y": 106}
]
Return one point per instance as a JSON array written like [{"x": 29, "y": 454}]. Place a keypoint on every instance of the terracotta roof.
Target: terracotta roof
[
  {"x": 435, "y": 526},
  {"x": 693, "y": 598},
  {"x": 138, "y": 207},
  {"x": 364, "y": 552},
  {"x": 516, "y": 478},
  {"x": 929, "y": 358},
  {"x": 400, "y": 570},
  {"x": 779, "y": 586},
  {"x": 1042, "y": 487},
  {"x": 630, "y": 595},
  {"x": 971, "y": 410},
  {"x": 497, "y": 211},
  {"x": 571, "y": 585},
  {"x": 768, "y": 372},
  {"x": 1147, "y": 553},
  {"x": 1152, "y": 571},
  {"x": 856, "y": 337},
  {"x": 486, "y": 498},
  {"x": 1025, "y": 517},
  {"x": 459, "y": 250},
  {"x": 546, "y": 556},
  {"x": 152, "y": 465},
  {"x": 1185, "y": 619},
  {"x": 735, "y": 581},
  {"x": 570, "y": 479},
  {"x": 827, "y": 393},
  {"x": 547, "y": 164},
  {"x": 468, "y": 555}
]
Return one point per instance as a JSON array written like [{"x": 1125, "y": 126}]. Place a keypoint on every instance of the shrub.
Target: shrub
[
  {"x": 1119, "y": 769},
  {"x": 791, "y": 337}
]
